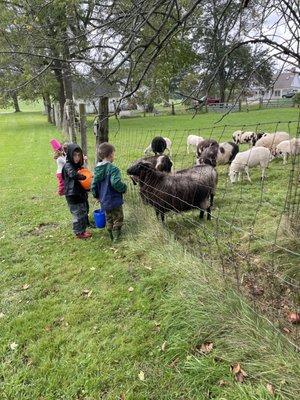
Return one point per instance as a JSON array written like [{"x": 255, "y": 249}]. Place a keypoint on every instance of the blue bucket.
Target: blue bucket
[{"x": 99, "y": 218}]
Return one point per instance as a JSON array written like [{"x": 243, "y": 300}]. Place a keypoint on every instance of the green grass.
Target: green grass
[
  {"x": 25, "y": 106},
  {"x": 71, "y": 346}
]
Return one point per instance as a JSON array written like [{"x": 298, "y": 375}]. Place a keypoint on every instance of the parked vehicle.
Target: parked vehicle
[
  {"x": 211, "y": 100},
  {"x": 289, "y": 95}
]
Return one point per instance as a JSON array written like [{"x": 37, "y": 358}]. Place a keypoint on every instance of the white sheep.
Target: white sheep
[
  {"x": 236, "y": 136},
  {"x": 192, "y": 141},
  {"x": 249, "y": 159},
  {"x": 287, "y": 148},
  {"x": 247, "y": 137},
  {"x": 271, "y": 140},
  {"x": 148, "y": 150}
]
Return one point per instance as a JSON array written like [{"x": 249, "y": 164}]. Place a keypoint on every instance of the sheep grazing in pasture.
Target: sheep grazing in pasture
[
  {"x": 161, "y": 163},
  {"x": 250, "y": 137},
  {"x": 249, "y": 159},
  {"x": 222, "y": 153},
  {"x": 271, "y": 140},
  {"x": 236, "y": 136},
  {"x": 178, "y": 192},
  {"x": 287, "y": 148},
  {"x": 192, "y": 141},
  {"x": 157, "y": 144}
]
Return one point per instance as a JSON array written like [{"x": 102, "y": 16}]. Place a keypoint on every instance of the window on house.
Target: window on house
[{"x": 277, "y": 93}]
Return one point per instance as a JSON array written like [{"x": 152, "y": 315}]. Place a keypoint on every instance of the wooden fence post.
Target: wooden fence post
[
  {"x": 82, "y": 127},
  {"x": 173, "y": 108},
  {"x": 240, "y": 105}
]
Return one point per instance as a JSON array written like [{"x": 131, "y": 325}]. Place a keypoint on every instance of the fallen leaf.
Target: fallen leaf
[
  {"x": 294, "y": 318},
  {"x": 25, "y": 287},
  {"x": 174, "y": 362},
  {"x": 131, "y": 289},
  {"x": 86, "y": 293},
  {"x": 2, "y": 315},
  {"x": 239, "y": 377},
  {"x": 239, "y": 374},
  {"x": 235, "y": 368},
  {"x": 163, "y": 346},
  {"x": 141, "y": 376},
  {"x": 149, "y": 268},
  {"x": 48, "y": 328},
  {"x": 58, "y": 321},
  {"x": 223, "y": 383},
  {"x": 270, "y": 389},
  {"x": 92, "y": 269},
  {"x": 205, "y": 347},
  {"x": 13, "y": 345},
  {"x": 122, "y": 396},
  {"x": 286, "y": 330}
]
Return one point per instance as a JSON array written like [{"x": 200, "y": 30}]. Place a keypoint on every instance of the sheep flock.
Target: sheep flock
[{"x": 167, "y": 189}]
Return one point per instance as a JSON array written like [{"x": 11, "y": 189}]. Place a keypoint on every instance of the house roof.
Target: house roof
[
  {"x": 286, "y": 80},
  {"x": 86, "y": 89}
]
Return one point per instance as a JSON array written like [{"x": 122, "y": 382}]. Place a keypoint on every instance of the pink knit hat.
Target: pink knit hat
[{"x": 55, "y": 144}]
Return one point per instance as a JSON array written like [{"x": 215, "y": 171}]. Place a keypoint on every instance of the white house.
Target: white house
[
  {"x": 284, "y": 83},
  {"x": 88, "y": 92}
]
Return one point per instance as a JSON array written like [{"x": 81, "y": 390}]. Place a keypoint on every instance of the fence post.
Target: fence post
[
  {"x": 240, "y": 105},
  {"x": 173, "y": 108},
  {"x": 82, "y": 127},
  {"x": 260, "y": 103}
]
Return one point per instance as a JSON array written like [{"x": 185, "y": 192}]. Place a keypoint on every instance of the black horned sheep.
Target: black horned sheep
[
  {"x": 178, "y": 192},
  {"x": 161, "y": 163}
]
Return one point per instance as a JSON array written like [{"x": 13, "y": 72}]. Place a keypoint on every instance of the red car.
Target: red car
[{"x": 211, "y": 100}]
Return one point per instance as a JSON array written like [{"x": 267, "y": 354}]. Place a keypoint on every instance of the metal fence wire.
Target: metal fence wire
[{"x": 251, "y": 239}]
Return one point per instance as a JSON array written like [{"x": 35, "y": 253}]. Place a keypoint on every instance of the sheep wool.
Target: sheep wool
[
  {"x": 287, "y": 148},
  {"x": 192, "y": 141},
  {"x": 271, "y": 140},
  {"x": 249, "y": 159}
]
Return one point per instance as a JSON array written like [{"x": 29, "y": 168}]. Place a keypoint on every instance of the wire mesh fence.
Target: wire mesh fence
[{"x": 250, "y": 239}]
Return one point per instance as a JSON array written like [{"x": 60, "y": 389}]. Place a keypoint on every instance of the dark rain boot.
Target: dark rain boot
[
  {"x": 117, "y": 235},
  {"x": 110, "y": 232}
]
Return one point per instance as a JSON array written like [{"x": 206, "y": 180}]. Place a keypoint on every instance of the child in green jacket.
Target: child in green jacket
[{"x": 108, "y": 188}]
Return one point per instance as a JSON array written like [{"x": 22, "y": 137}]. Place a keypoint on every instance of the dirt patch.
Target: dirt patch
[{"x": 42, "y": 228}]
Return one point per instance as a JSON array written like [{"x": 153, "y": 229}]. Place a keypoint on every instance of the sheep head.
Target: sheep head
[
  {"x": 164, "y": 164},
  {"x": 138, "y": 170}
]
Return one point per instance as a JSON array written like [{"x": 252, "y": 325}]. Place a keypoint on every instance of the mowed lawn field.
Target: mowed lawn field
[{"x": 144, "y": 319}]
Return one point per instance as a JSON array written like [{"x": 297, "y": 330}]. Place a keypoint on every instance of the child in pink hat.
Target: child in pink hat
[{"x": 60, "y": 151}]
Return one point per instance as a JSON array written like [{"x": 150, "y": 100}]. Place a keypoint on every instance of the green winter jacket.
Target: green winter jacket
[{"x": 107, "y": 185}]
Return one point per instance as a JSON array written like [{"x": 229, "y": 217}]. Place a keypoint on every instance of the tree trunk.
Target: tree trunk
[
  {"x": 47, "y": 102},
  {"x": 61, "y": 92},
  {"x": 102, "y": 133},
  {"x": 82, "y": 115},
  {"x": 222, "y": 82},
  {"x": 70, "y": 108},
  {"x": 16, "y": 103}
]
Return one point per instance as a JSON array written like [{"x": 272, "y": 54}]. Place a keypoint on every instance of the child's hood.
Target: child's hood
[
  {"x": 101, "y": 170},
  {"x": 70, "y": 150}
]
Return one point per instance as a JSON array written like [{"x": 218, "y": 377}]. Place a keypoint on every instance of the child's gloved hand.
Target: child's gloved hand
[{"x": 81, "y": 177}]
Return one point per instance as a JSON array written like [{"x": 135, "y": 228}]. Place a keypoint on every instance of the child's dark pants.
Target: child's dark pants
[
  {"x": 79, "y": 213},
  {"x": 114, "y": 218}
]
